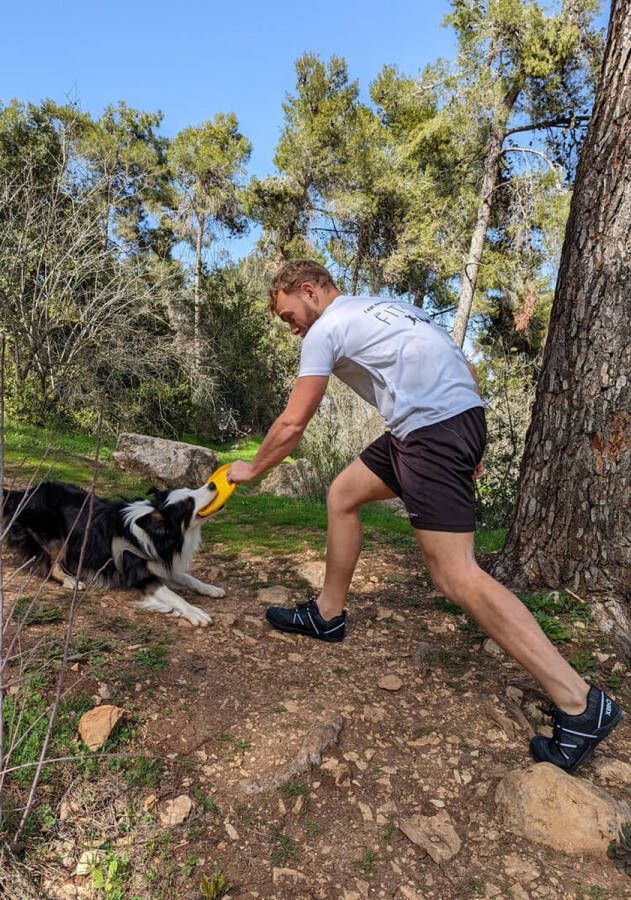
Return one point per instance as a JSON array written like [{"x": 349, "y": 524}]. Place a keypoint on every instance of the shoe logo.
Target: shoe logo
[{"x": 608, "y": 707}]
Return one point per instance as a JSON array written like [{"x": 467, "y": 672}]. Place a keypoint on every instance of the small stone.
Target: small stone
[
  {"x": 383, "y": 613},
  {"x": 149, "y": 802},
  {"x": 520, "y": 868},
  {"x": 409, "y": 893},
  {"x": 313, "y": 572},
  {"x": 97, "y": 724},
  {"x": 279, "y": 874},
  {"x": 489, "y": 646},
  {"x": 514, "y": 694},
  {"x": 275, "y": 594},
  {"x": 390, "y": 683},
  {"x": 175, "y": 811},
  {"x": 517, "y": 892},
  {"x": 366, "y": 812},
  {"x": 104, "y": 691},
  {"x": 231, "y": 831},
  {"x": 436, "y": 835},
  {"x": 87, "y": 861}
]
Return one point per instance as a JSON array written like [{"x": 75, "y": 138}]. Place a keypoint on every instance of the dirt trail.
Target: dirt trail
[{"x": 237, "y": 701}]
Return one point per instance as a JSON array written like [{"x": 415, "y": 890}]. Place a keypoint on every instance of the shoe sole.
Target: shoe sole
[{"x": 291, "y": 629}]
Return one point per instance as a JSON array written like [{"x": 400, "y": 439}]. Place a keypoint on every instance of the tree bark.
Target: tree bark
[
  {"x": 197, "y": 296},
  {"x": 489, "y": 182},
  {"x": 571, "y": 521}
]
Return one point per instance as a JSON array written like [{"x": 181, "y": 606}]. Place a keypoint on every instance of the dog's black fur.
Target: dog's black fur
[{"x": 137, "y": 544}]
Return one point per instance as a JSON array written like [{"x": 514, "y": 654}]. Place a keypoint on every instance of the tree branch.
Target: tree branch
[{"x": 566, "y": 121}]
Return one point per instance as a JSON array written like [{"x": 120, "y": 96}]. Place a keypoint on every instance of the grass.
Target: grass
[{"x": 259, "y": 522}]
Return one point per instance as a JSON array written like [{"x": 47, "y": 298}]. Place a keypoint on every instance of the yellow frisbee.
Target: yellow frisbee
[{"x": 225, "y": 490}]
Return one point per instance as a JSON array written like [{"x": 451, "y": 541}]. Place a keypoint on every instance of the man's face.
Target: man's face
[{"x": 299, "y": 310}]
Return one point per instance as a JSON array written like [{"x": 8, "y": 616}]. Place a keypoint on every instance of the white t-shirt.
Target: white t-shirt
[{"x": 395, "y": 357}]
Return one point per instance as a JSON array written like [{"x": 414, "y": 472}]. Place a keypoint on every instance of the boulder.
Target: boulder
[
  {"x": 295, "y": 479},
  {"x": 548, "y": 806},
  {"x": 164, "y": 462}
]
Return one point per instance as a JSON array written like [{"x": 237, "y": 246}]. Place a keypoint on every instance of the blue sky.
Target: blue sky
[
  {"x": 194, "y": 59},
  {"x": 197, "y": 58}
]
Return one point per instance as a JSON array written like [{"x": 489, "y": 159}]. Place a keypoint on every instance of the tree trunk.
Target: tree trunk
[
  {"x": 489, "y": 182},
  {"x": 197, "y": 298},
  {"x": 571, "y": 524}
]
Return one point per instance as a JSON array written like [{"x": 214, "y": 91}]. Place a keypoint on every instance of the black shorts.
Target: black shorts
[{"x": 432, "y": 470}]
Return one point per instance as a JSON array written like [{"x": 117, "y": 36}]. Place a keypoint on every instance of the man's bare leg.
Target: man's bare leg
[
  {"x": 353, "y": 487},
  {"x": 452, "y": 565}
]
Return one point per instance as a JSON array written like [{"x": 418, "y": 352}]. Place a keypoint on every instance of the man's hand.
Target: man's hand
[
  {"x": 240, "y": 472},
  {"x": 478, "y": 471}
]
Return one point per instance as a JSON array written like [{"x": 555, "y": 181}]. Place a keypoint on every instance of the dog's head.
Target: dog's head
[
  {"x": 182, "y": 505},
  {"x": 161, "y": 524}
]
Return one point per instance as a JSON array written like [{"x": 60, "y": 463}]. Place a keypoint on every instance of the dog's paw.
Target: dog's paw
[
  {"x": 209, "y": 590},
  {"x": 197, "y": 616},
  {"x": 71, "y": 583}
]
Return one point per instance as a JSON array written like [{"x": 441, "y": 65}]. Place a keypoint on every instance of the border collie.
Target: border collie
[{"x": 142, "y": 544}]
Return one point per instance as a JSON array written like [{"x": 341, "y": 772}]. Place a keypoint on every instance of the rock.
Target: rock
[
  {"x": 295, "y": 479},
  {"x": 434, "y": 834},
  {"x": 390, "y": 683},
  {"x": 149, "y": 802},
  {"x": 546, "y": 805},
  {"x": 174, "y": 812},
  {"x": 231, "y": 831},
  {"x": 519, "y": 868},
  {"x": 293, "y": 874},
  {"x": 611, "y": 769},
  {"x": 87, "y": 861},
  {"x": 165, "y": 462},
  {"x": 383, "y": 613},
  {"x": 409, "y": 893},
  {"x": 489, "y": 646},
  {"x": 104, "y": 691},
  {"x": 518, "y": 893},
  {"x": 225, "y": 619},
  {"x": 313, "y": 572},
  {"x": 275, "y": 594},
  {"x": 514, "y": 694},
  {"x": 366, "y": 811},
  {"x": 97, "y": 724}
]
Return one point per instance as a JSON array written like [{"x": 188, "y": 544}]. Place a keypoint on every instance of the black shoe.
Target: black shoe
[
  {"x": 574, "y": 738},
  {"x": 306, "y": 619}
]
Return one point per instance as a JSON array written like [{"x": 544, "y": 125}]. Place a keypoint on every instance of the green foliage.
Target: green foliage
[
  {"x": 294, "y": 789},
  {"x": 546, "y": 608},
  {"x": 214, "y": 886},
  {"x": 251, "y": 356},
  {"x": 27, "y": 612},
  {"x": 155, "y": 658},
  {"x": 110, "y": 876}
]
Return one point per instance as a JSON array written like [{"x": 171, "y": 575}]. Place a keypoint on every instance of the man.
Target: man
[{"x": 397, "y": 359}]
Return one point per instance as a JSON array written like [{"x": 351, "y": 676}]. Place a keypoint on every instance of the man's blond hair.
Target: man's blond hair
[{"x": 293, "y": 273}]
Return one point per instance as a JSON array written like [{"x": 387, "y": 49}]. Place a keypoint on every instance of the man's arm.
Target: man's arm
[{"x": 286, "y": 431}]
